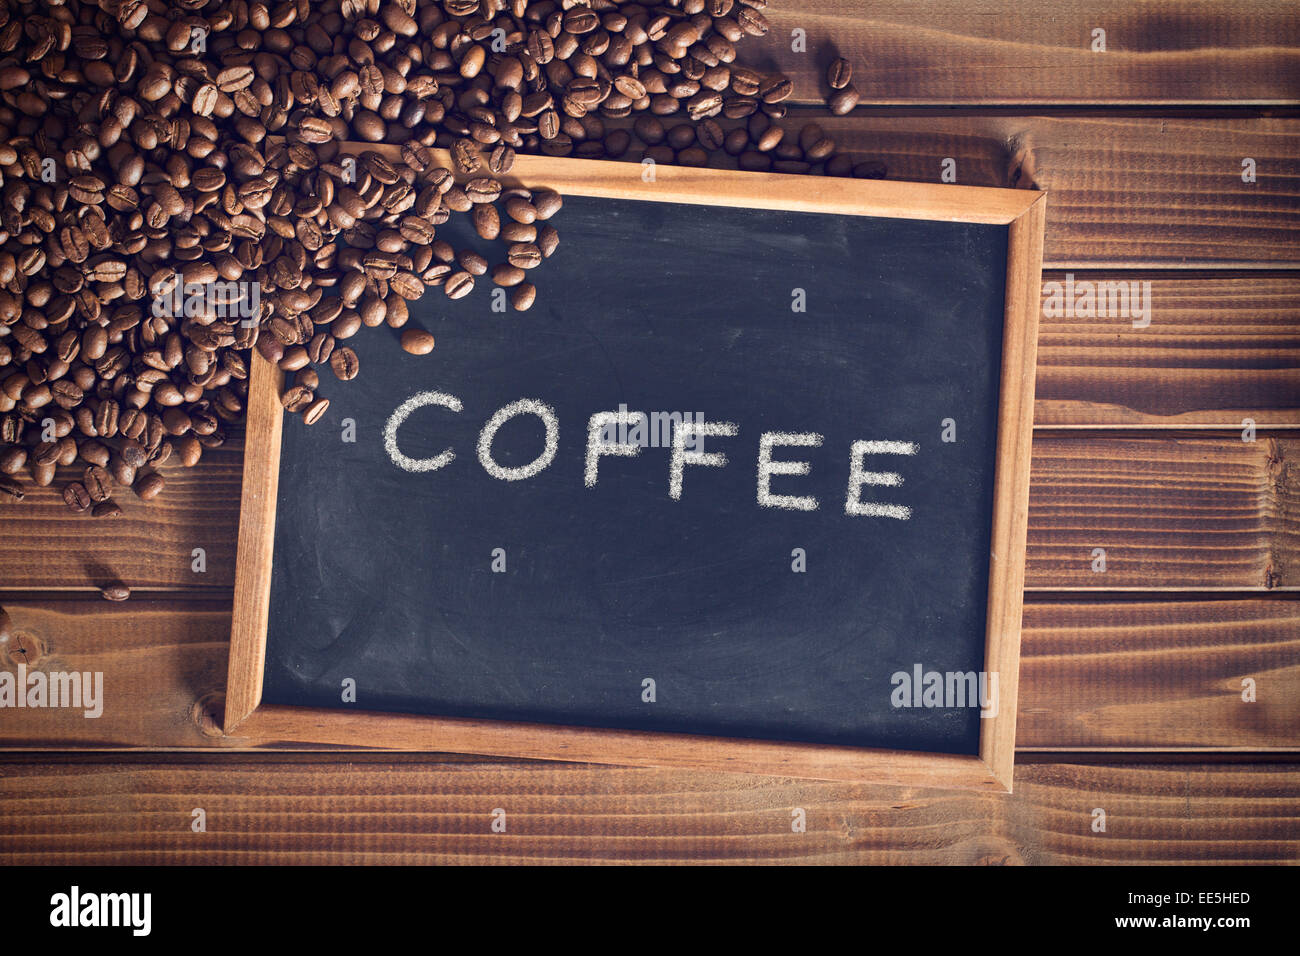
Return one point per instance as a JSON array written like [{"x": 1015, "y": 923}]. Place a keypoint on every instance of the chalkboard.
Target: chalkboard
[{"x": 708, "y": 589}]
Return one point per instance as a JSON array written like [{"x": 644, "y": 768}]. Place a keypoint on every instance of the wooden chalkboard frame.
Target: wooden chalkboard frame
[{"x": 247, "y": 723}]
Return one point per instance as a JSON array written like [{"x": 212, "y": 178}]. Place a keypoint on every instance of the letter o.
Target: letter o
[{"x": 531, "y": 406}]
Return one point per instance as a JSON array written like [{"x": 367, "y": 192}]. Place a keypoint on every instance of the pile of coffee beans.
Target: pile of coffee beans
[{"x": 174, "y": 195}]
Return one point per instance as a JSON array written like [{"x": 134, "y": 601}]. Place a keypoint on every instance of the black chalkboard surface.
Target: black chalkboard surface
[
  {"x": 386, "y": 576},
  {"x": 458, "y": 539}
]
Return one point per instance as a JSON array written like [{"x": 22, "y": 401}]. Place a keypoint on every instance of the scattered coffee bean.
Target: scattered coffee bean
[
  {"x": 417, "y": 341},
  {"x": 149, "y": 485},
  {"x": 522, "y": 298},
  {"x": 345, "y": 364},
  {"x": 313, "y": 412},
  {"x": 76, "y": 497},
  {"x": 839, "y": 73}
]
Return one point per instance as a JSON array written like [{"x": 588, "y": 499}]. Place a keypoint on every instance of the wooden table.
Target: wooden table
[{"x": 1133, "y": 678}]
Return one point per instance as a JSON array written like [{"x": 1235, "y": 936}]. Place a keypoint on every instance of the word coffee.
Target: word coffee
[{"x": 687, "y": 434}]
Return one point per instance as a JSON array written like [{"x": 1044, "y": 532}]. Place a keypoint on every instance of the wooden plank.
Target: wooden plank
[
  {"x": 1168, "y": 513},
  {"x": 988, "y": 52},
  {"x": 1125, "y": 192},
  {"x": 1171, "y": 512},
  {"x": 1216, "y": 351},
  {"x": 323, "y": 810},
  {"x": 1160, "y": 674},
  {"x": 1141, "y": 674}
]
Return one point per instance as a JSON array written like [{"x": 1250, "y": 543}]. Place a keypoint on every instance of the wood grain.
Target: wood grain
[
  {"x": 1010, "y": 519},
  {"x": 1218, "y": 350},
  {"x": 1141, "y": 674},
  {"x": 987, "y": 52},
  {"x": 366, "y": 809},
  {"x": 256, "y": 546},
  {"x": 1160, "y": 674},
  {"x": 45, "y": 546},
  {"x": 1171, "y": 512},
  {"x": 1129, "y": 193}
]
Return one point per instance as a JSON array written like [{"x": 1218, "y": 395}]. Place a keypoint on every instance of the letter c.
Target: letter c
[{"x": 401, "y": 414}]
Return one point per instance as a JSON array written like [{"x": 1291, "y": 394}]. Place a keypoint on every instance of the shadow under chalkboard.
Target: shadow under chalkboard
[{"x": 455, "y": 593}]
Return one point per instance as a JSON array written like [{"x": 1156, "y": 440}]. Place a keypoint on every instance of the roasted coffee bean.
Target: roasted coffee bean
[
  {"x": 839, "y": 73},
  {"x": 547, "y": 240},
  {"x": 189, "y": 450},
  {"x": 97, "y": 482},
  {"x": 507, "y": 275},
  {"x": 115, "y": 592},
  {"x": 487, "y": 222},
  {"x": 12, "y": 460},
  {"x": 76, "y": 497},
  {"x": 148, "y": 485},
  {"x": 417, "y": 341},
  {"x": 522, "y": 298},
  {"x": 313, "y": 412},
  {"x": 458, "y": 285},
  {"x": 483, "y": 190},
  {"x": 345, "y": 364},
  {"x": 472, "y": 262},
  {"x": 107, "y": 508},
  {"x": 296, "y": 398},
  {"x": 524, "y": 255},
  {"x": 502, "y": 159},
  {"x": 11, "y": 489},
  {"x": 843, "y": 100}
]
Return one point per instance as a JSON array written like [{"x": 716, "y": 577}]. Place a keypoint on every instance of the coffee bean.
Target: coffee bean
[
  {"x": 345, "y": 364},
  {"x": 522, "y": 298},
  {"x": 487, "y": 222},
  {"x": 97, "y": 483},
  {"x": 547, "y": 202},
  {"x": 472, "y": 262},
  {"x": 115, "y": 592},
  {"x": 524, "y": 255},
  {"x": 106, "y": 509},
  {"x": 483, "y": 190},
  {"x": 458, "y": 285},
  {"x": 189, "y": 450},
  {"x": 417, "y": 341},
  {"x": 11, "y": 488},
  {"x": 507, "y": 275},
  {"x": 502, "y": 159},
  {"x": 547, "y": 240},
  {"x": 296, "y": 398},
  {"x": 312, "y": 414},
  {"x": 12, "y": 460},
  {"x": 76, "y": 497},
  {"x": 148, "y": 486},
  {"x": 843, "y": 100},
  {"x": 839, "y": 73}
]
